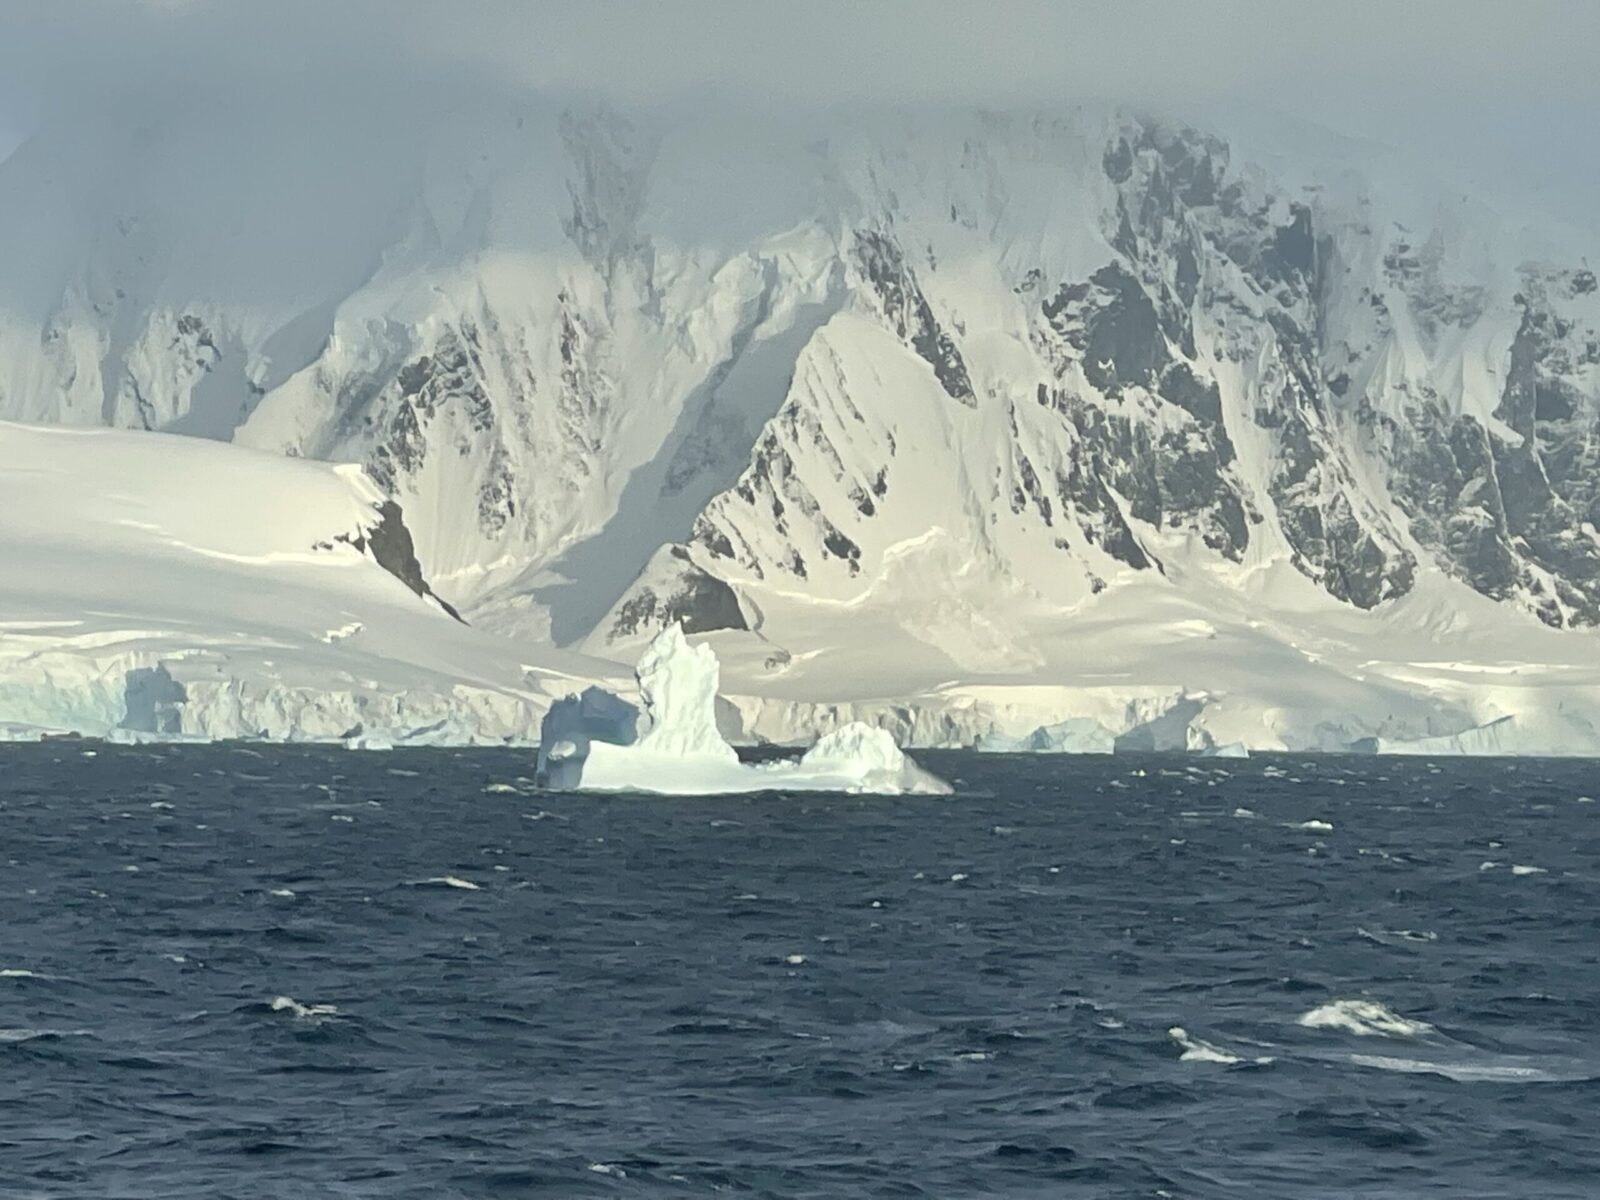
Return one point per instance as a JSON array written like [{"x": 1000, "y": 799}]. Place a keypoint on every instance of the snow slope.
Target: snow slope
[{"x": 158, "y": 585}]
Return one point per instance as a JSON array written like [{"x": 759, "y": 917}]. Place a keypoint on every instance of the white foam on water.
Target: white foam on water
[
  {"x": 1524, "y": 870},
  {"x": 1364, "y": 1018},
  {"x": 20, "y": 973},
  {"x": 1387, "y": 936},
  {"x": 1195, "y": 1050},
  {"x": 1460, "y": 1072},
  {"x": 452, "y": 881},
  {"x": 611, "y": 1169},
  {"x": 300, "y": 1011},
  {"x": 28, "y": 1035}
]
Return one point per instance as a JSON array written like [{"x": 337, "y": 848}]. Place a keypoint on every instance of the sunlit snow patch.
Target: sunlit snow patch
[{"x": 670, "y": 743}]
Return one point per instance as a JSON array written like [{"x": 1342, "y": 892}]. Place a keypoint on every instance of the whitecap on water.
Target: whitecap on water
[
  {"x": 1524, "y": 870},
  {"x": 611, "y": 1169},
  {"x": 20, "y": 973},
  {"x": 1461, "y": 1072},
  {"x": 300, "y": 1011},
  {"x": 1388, "y": 937},
  {"x": 451, "y": 881},
  {"x": 1364, "y": 1018},
  {"x": 1195, "y": 1050}
]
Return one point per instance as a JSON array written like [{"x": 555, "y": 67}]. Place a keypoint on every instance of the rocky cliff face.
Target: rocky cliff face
[{"x": 625, "y": 372}]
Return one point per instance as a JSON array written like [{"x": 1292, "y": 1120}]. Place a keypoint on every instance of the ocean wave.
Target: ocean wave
[
  {"x": 1461, "y": 1072},
  {"x": 1195, "y": 1050},
  {"x": 300, "y": 1011},
  {"x": 1364, "y": 1018}
]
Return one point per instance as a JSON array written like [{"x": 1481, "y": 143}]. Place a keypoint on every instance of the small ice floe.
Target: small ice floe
[
  {"x": 610, "y": 1169},
  {"x": 1518, "y": 869},
  {"x": 20, "y": 973},
  {"x": 959, "y": 877},
  {"x": 1244, "y": 814},
  {"x": 1364, "y": 1018},
  {"x": 1489, "y": 865},
  {"x": 160, "y": 804},
  {"x": 302, "y": 1012},
  {"x": 450, "y": 881},
  {"x": 1314, "y": 826},
  {"x": 282, "y": 893},
  {"x": 503, "y": 789},
  {"x": 794, "y": 960},
  {"x": 1195, "y": 1050},
  {"x": 345, "y": 817}
]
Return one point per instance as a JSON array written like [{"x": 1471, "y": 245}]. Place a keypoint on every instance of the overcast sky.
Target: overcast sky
[{"x": 1494, "y": 86}]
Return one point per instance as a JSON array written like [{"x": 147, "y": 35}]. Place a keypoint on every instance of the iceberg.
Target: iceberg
[
  {"x": 1226, "y": 750},
  {"x": 669, "y": 743}
]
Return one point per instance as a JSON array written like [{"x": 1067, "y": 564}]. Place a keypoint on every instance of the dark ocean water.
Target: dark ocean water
[{"x": 248, "y": 977}]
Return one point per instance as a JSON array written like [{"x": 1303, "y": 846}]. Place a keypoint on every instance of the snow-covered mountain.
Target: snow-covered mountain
[{"x": 953, "y": 420}]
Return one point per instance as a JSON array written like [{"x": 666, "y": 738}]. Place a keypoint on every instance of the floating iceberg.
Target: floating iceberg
[{"x": 670, "y": 743}]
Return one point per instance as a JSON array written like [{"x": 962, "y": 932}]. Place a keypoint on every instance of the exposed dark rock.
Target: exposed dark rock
[
  {"x": 908, "y": 313},
  {"x": 389, "y": 544},
  {"x": 700, "y": 602}
]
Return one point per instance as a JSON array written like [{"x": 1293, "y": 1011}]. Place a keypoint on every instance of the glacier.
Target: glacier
[
  {"x": 966, "y": 425},
  {"x": 670, "y": 743},
  {"x": 157, "y": 586}
]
